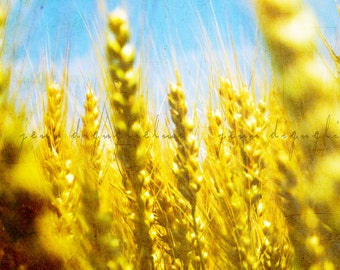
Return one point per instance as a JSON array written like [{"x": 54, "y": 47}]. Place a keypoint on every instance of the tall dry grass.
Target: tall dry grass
[{"x": 265, "y": 195}]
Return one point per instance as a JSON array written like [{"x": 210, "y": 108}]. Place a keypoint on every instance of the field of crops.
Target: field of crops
[{"x": 255, "y": 184}]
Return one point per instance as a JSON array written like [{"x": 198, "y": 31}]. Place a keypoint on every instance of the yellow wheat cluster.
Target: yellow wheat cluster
[{"x": 256, "y": 188}]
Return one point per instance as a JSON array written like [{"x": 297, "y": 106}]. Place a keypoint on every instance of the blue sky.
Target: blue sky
[
  {"x": 61, "y": 19},
  {"x": 158, "y": 27}
]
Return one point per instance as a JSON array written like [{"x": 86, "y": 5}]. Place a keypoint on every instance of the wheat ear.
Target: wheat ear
[
  {"x": 57, "y": 161},
  {"x": 309, "y": 92},
  {"x": 91, "y": 125},
  {"x": 129, "y": 120},
  {"x": 57, "y": 158},
  {"x": 187, "y": 171}
]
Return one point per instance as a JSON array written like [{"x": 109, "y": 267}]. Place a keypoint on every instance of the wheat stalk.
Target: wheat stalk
[
  {"x": 60, "y": 172},
  {"x": 95, "y": 215},
  {"x": 309, "y": 92},
  {"x": 129, "y": 122},
  {"x": 187, "y": 171}
]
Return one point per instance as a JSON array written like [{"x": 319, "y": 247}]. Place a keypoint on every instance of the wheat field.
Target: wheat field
[{"x": 257, "y": 187}]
